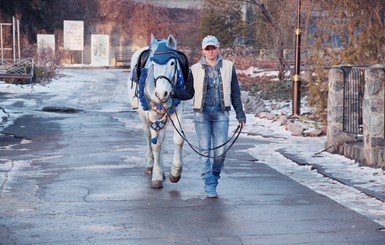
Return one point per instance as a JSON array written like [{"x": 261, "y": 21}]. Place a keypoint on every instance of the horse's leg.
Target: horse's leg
[
  {"x": 157, "y": 171},
  {"x": 177, "y": 163},
  {"x": 147, "y": 136},
  {"x": 149, "y": 153}
]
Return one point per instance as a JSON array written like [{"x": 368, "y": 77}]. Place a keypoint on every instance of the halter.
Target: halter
[
  {"x": 147, "y": 103},
  {"x": 173, "y": 56},
  {"x": 167, "y": 79}
]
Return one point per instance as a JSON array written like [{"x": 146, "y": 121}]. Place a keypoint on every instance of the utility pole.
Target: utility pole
[
  {"x": 14, "y": 39},
  {"x": 296, "y": 106}
]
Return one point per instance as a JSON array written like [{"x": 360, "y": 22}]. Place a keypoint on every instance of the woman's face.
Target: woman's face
[{"x": 211, "y": 52}]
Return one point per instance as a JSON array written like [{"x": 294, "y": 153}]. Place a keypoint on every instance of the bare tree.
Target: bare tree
[
  {"x": 147, "y": 19},
  {"x": 275, "y": 29},
  {"x": 343, "y": 32},
  {"x": 223, "y": 19},
  {"x": 350, "y": 31}
]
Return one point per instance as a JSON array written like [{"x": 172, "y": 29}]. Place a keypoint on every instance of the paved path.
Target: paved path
[{"x": 78, "y": 178}]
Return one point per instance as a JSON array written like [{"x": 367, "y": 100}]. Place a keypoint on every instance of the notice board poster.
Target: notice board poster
[
  {"x": 100, "y": 50},
  {"x": 73, "y": 35},
  {"x": 45, "y": 43}
]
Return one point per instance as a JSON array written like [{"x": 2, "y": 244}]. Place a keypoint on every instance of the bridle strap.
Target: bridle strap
[
  {"x": 164, "y": 77},
  {"x": 168, "y": 79}
]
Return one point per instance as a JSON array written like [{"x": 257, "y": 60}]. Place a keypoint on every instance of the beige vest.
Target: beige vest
[{"x": 199, "y": 75}]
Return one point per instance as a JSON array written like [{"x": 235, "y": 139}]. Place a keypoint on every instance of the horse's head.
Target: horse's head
[{"x": 162, "y": 68}]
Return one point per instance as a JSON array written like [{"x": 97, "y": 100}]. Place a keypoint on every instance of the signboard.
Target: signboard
[
  {"x": 45, "y": 43},
  {"x": 100, "y": 50},
  {"x": 73, "y": 35}
]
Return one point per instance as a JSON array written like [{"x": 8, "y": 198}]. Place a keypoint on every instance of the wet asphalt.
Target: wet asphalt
[{"x": 77, "y": 177}]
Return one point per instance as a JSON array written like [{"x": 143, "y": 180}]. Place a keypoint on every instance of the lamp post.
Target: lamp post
[{"x": 296, "y": 106}]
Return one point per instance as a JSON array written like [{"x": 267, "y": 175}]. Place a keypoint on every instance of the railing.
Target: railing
[
  {"x": 288, "y": 54},
  {"x": 354, "y": 84},
  {"x": 268, "y": 54},
  {"x": 18, "y": 69},
  {"x": 123, "y": 57}
]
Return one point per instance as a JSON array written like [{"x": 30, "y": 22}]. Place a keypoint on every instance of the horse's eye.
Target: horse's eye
[{"x": 172, "y": 62}]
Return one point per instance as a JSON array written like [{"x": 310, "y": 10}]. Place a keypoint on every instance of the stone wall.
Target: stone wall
[
  {"x": 373, "y": 117},
  {"x": 370, "y": 150}
]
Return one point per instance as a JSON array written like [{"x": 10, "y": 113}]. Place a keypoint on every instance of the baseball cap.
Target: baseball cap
[{"x": 210, "y": 41}]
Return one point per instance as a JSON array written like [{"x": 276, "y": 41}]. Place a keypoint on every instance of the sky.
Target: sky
[{"x": 276, "y": 138}]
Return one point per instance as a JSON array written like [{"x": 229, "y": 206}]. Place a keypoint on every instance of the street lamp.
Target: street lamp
[{"x": 296, "y": 106}]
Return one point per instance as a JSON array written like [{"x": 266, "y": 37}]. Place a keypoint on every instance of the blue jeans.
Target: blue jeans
[{"x": 212, "y": 128}]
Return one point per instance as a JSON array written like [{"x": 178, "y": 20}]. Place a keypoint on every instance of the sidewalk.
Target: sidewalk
[
  {"x": 78, "y": 178},
  {"x": 304, "y": 160}
]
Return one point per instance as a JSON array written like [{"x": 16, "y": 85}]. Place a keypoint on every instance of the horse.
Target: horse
[{"x": 156, "y": 70}]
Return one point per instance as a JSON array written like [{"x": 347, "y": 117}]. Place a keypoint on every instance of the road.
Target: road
[{"x": 72, "y": 172}]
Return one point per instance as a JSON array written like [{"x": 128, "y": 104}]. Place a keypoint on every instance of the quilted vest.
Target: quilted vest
[{"x": 199, "y": 75}]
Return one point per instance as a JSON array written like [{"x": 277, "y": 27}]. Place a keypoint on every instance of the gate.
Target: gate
[{"x": 354, "y": 83}]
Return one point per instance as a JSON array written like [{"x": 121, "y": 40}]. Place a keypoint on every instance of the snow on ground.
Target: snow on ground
[
  {"x": 255, "y": 72},
  {"x": 278, "y": 140},
  {"x": 310, "y": 151}
]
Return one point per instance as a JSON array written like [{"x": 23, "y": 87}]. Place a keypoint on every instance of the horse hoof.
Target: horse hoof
[
  {"x": 148, "y": 170},
  {"x": 156, "y": 184},
  {"x": 174, "y": 179}
]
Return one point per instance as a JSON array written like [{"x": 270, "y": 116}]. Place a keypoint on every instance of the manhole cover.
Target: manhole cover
[{"x": 60, "y": 109}]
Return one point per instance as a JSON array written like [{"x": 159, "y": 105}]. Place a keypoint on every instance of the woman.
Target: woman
[{"x": 214, "y": 85}]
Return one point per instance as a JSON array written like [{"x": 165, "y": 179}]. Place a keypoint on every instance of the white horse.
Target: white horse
[{"x": 156, "y": 71}]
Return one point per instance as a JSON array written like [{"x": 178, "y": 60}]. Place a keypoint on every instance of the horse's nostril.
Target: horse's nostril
[
  {"x": 165, "y": 94},
  {"x": 156, "y": 94}
]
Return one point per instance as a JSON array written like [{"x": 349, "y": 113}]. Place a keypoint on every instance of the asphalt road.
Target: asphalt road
[{"x": 77, "y": 177}]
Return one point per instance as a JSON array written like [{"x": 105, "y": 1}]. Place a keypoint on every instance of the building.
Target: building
[{"x": 186, "y": 4}]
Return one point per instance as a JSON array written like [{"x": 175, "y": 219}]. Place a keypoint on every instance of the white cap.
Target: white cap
[{"x": 210, "y": 41}]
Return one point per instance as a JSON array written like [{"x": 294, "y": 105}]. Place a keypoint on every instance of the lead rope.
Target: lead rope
[{"x": 237, "y": 132}]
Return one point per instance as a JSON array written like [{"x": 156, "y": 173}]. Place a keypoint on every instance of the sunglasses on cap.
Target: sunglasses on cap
[{"x": 210, "y": 47}]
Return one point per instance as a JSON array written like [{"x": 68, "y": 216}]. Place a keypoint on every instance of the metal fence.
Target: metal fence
[
  {"x": 354, "y": 84},
  {"x": 17, "y": 69},
  {"x": 288, "y": 54}
]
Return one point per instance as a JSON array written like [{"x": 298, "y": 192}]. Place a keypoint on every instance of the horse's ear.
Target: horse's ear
[
  {"x": 152, "y": 38},
  {"x": 171, "y": 42},
  {"x": 154, "y": 43}
]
